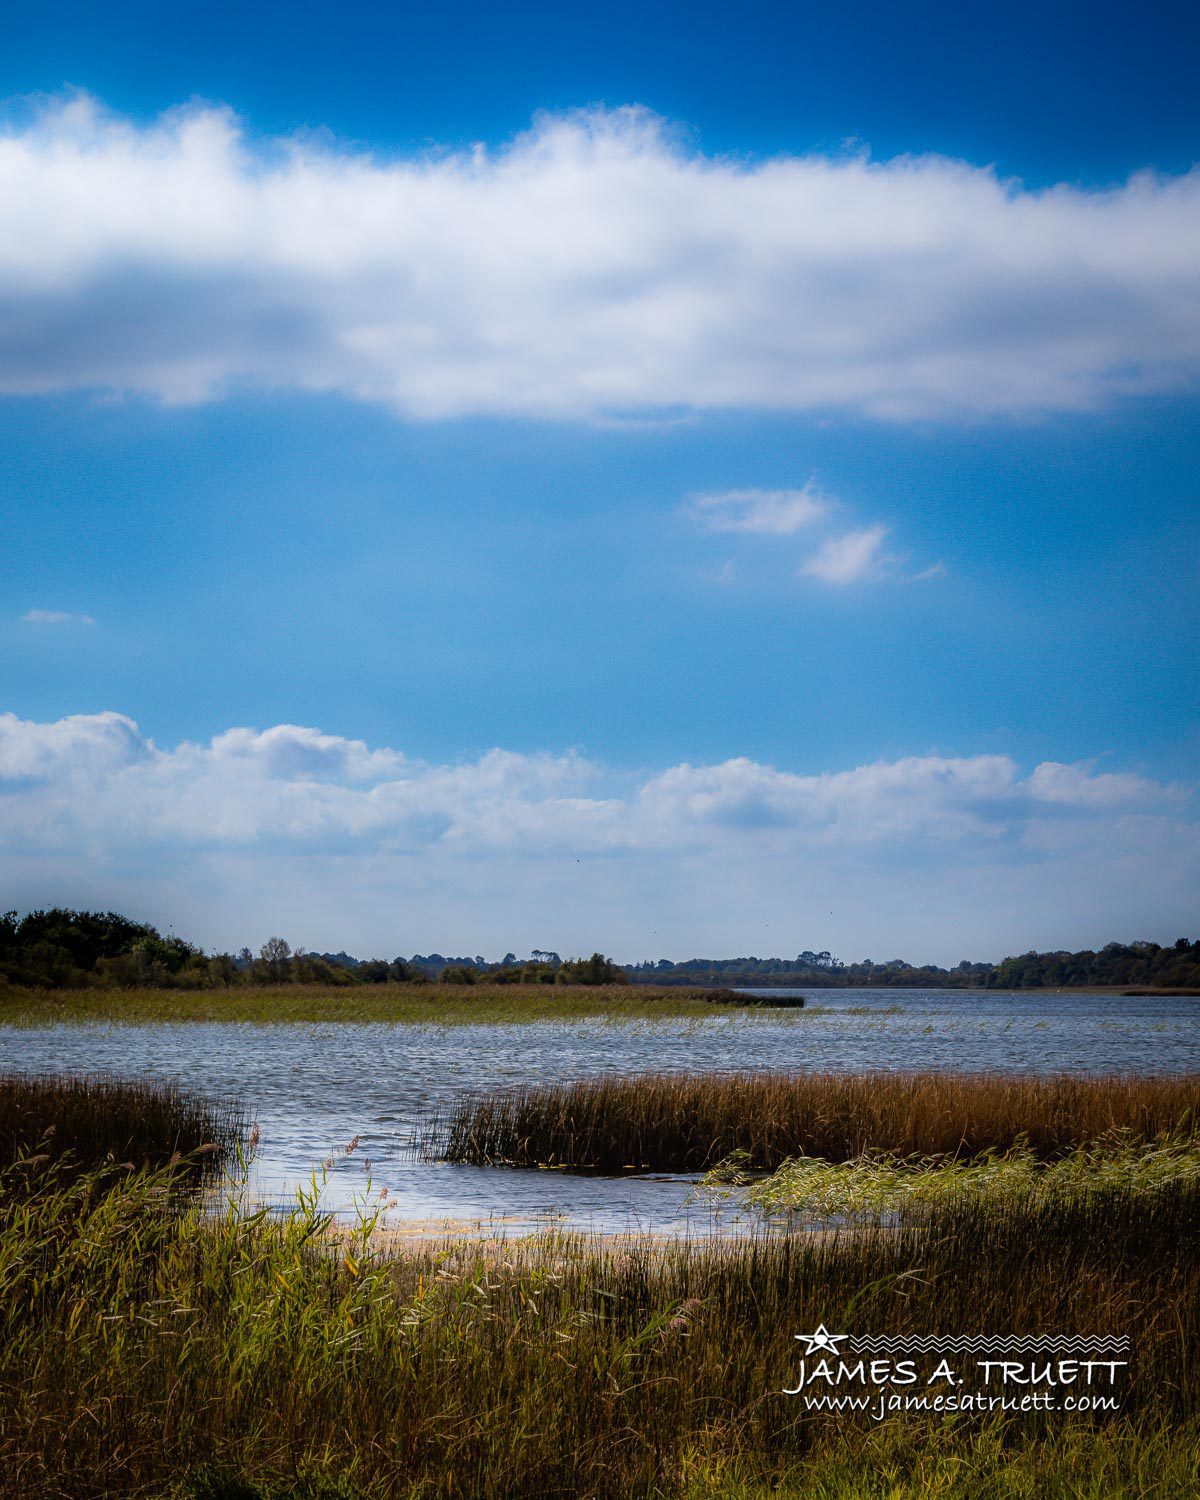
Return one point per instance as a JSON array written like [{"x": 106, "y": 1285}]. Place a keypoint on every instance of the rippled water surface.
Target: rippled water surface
[{"x": 313, "y": 1088}]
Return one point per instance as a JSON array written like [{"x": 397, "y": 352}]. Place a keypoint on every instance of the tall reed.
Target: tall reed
[
  {"x": 257, "y": 1354},
  {"x": 690, "y": 1122},
  {"x": 91, "y": 1119}
]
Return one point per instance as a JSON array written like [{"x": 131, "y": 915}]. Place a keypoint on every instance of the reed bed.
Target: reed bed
[
  {"x": 691, "y": 1122},
  {"x": 148, "y": 1355},
  {"x": 88, "y": 1120},
  {"x": 880, "y": 1184},
  {"x": 411, "y": 1004}
]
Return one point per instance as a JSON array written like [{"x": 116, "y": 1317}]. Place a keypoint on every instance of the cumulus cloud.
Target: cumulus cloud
[
  {"x": 852, "y": 557},
  {"x": 1081, "y": 786},
  {"x": 54, "y": 617},
  {"x": 763, "y": 512},
  {"x": 591, "y": 267},
  {"x": 293, "y": 783},
  {"x": 257, "y": 819},
  {"x": 284, "y": 785},
  {"x": 92, "y": 746}
]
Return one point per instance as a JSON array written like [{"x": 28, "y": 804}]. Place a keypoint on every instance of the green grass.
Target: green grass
[
  {"x": 691, "y": 1122},
  {"x": 150, "y": 1354},
  {"x": 879, "y": 1183},
  {"x": 443, "y": 1004}
]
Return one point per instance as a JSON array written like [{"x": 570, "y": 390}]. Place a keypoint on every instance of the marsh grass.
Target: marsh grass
[
  {"x": 144, "y": 1353},
  {"x": 691, "y": 1122},
  {"x": 881, "y": 1184},
  {"x": 151, "y": 1346},
  {"x": 414, "y": 1004},
  {"x": 83, "y": 1121}
]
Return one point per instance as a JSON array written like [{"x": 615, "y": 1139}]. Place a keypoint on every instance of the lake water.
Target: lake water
[{"x": 313, "y": 1088}]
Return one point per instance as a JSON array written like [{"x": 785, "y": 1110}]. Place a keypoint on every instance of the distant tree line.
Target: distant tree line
[
  {"x": 71, "y": 948},
  {"x": 75, "y": 949},
  {"x": 1127, "y": 964},
  {"x": 78, "y": 949},
  {"x": 1122, "y": 964},
  {"x": 810, "y": 970}
]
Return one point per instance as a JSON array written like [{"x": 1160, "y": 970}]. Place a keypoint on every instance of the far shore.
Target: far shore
[
  {"x": 403, "y": 1003},
  {"x": 980, "y": 989},
  {"x": 457, "y": 1004}
]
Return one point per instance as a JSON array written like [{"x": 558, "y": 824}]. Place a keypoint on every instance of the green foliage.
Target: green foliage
[
  {"x": 63, "y": 949},
  {"x": 530, "y": 973},
  {"x": 595, "y": 970},
  {"x": 1123, "y": 964},
  {"x": 71, "y": 948}
]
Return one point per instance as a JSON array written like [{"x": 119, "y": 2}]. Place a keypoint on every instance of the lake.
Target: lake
[{"x": 313, "y": 1088}]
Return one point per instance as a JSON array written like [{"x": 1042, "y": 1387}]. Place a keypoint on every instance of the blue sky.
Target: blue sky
[{"x": 774, "y": 436}]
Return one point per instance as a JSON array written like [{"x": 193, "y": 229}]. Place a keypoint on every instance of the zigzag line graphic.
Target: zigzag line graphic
[{"x": 1031, "y": 1343}]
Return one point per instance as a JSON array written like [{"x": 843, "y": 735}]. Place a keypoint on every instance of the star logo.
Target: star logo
[{"x": 822, "y": 1340}]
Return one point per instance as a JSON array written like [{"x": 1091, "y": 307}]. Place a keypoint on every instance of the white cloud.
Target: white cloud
[
  {"x": 930, "y": 798},
  {"x": 764, "y": 512},
  {"x": 54, "y": 617},
  {"x": 93, "y": 746},
  {"x": 852, "y": 557},
  {"x": 849, "y": 557},
  {"x": 1080, "y": 786},
  {"x": 293, "y": 783},
  {"x": 592, "y": 267},
  {"x": 332, "y": 842}
]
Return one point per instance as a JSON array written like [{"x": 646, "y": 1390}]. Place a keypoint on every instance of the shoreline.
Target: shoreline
[{"x": 481, "y": 1004}]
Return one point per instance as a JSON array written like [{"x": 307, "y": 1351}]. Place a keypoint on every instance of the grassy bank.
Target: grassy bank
[
  {"x": 151, "y": 1355},
  {"x": 690, "y": 1122},
  {"x": 444, "y": 1004}
]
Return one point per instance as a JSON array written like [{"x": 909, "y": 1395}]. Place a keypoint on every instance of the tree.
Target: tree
[
  {"x": 595, "y": 970},
  {"x": 276, "y": 955},
  {"x": 222, "y": 968}
]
